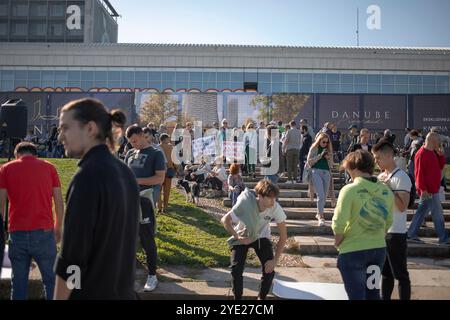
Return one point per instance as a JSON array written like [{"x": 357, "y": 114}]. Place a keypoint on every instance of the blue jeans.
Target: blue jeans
[
  {"x": 354, "y": 271},
  {"x": 437, "y": 214},
  {"x": 25, "y": 245},
  {"x": 272, "y": 178},
  {"x": 321, "y": 180}
]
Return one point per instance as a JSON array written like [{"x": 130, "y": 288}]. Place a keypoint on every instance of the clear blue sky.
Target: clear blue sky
[{"x": 422, "y": 23}]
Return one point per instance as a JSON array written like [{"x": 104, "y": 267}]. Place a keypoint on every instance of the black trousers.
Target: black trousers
[
  {"x": 147, "y": 232},
  {"x": 395, "y": 267},
  {"x": 264, "y": 251},
  {"x": 302, "y": 160},
  {"x": 215, "y": 182}
]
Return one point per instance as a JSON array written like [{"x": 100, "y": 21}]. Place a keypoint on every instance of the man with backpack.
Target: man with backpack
[{"x": 395, "y": 266}]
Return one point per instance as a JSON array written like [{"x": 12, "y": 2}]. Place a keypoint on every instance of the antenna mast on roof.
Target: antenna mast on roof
[{"x": 357, "y": 27}]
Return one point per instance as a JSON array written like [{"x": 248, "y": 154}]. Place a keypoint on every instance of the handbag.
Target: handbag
[
  {"x": 170, "y": 173},
  {"x": 307, "y": 172}
]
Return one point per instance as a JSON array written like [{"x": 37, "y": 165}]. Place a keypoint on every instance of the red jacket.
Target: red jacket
[{"x": 428, "y": 167}]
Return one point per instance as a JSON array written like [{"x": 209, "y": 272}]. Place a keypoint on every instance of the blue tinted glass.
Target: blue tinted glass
[
  {"x": 127, "y": 75},
  {"x": 319, "y": 88},
  {"x": 61, "y": 75},
  {"x": 168, "y": 84},
  {"x": 195, "y": 85},
  {"x": 141, "y": 84},
  {"x": 7, "y": 75},
  {"x": 74, "y": 84},
  {"x": 264, "y": 87},
  {"x": 223, "y": 85},
  {"x": 114, "y": 84},
  {"x": 140, "y": 76},
  {"x": 320, "y": 78},
  {"x": 374, "y": 79},
  {"x": 60, "y": 84},
  {"x": 278, "y": 87},
  {"x": 182, "y": 76},
  {"x": 168, "y": 76},
  {"x": 182, "y": 85},
  {"x": 306, "y": 77},
  {"x": 7, "y": 85},
  {"x": 86, "y": 85},
  {"x": 415, "y": 88},
  {"x": 292, "y": 87},
  {"x": 373, "y": 88},
  {"x": 47, "y": 84},
  {"x": 195, "y": 76},
  {"x": 101, "y": 75},
  {"x": 34, "y": 83},
  {"x": 154, "y": 75},
  {"x": 360, "y": 88},
  {"x": 223, "y": 76},
  {"x": 442, "y": 81},
  {"x": 87, "y": 75},
  {"x": 429, "y": 80},
  {"x": 251, "y": 77},
  {"x": 209, "y": 76},
  {"x": 34, "y": 75},
  {"x": 346, "y": 88},
  {"x": 332, "y": 78},
  {"x": 20, "y": 83},
  {"x": 415, "y": 80},
  {"x": 387, "y": 89},
  {"x": 237, "y": 77},
  {"x": 401, "y": 88},
  {"x": 101, "y": 84},
  {"x": 236, "y": 85},
  {"x": 429, "y": 89},
  {"x": 208, "y": 85},
  {"x": 155, "y": 85},
  {"x": 48, "y": 76},
  {"x": 264, "y": 77},
  {"x": 360, "y": 79},
  {"x": 20, "y": 74},
  {"x": 305, "y": 88},
  {"x": 387, "y": 79},
  {"x": 347, "y": 78},
  {"x": 278, "y": 77},
  {"x": 442, "y": 89},
  {"x": 401, "y": 79},
  {"x": 114, "y": 76},
  {"x": 292, "y": 77},
  {"x": 128, "y": 84},
  {"x": 333, "y": 88},
  {"x": 73, "y": 75}
]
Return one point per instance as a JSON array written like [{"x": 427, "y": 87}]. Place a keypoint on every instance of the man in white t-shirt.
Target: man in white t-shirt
[
  {"x": 398, "y": 181},
  {"x": 252, "y": 215}
]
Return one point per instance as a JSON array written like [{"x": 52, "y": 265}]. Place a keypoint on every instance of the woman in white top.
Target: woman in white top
[{"x": 251, "y": 145}]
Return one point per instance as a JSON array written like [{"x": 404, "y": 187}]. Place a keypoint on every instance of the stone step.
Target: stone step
[
  {"x": 337, "y": 181},
  {"x": 307, "y": 203},
  {"x": 324, "y": 245},
  {"x": 310, "y": 227},
  {"x": 310, "y": 214}
]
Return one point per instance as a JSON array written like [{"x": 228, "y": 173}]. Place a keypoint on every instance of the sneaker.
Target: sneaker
[
  {"x": 151, "y": 283},
  {"x": 415, "y": 240},
  {"x": 321, "y": 222}
]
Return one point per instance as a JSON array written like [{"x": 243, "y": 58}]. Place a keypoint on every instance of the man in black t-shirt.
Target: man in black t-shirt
[{"x": 149, "y": 167}]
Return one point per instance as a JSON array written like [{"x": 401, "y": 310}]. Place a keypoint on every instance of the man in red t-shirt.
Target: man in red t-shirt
[
  {"x": 428, "y": 165},
  {"x": 30, "y": 184}
]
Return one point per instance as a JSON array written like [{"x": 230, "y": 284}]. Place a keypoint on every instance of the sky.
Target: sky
[{"x": 405, "y": 23}]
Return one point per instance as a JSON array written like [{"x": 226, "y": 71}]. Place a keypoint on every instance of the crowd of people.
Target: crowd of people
[{"x": 125, "y": 178}]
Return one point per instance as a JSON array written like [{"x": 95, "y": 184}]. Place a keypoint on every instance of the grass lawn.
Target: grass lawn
[{"x": 185, "y": 234}]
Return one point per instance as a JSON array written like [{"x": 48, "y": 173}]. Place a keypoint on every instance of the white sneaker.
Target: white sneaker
[
  {"x": 321, "y": 222},
  {"x": 151, "y": 283}
]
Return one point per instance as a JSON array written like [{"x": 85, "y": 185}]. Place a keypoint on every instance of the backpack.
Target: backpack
[{"x": 412, "y": 192}]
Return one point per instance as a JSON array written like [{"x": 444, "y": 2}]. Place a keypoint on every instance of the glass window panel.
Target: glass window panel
[
  {"x": 56, "y": 10},
  {"x": 305, "y": 88},
  {"x": 346, "y": 88},
  {"x": 22, "y": 74},
  {"x": 128, "y": 84},
  {"x": 61, "y": 75},
  {"x": 140, "y": 76},
  {"x": 195, "y": 76},
  {"x": 20, "y": 83},
  {"x": 4, "y": 9},
  {"x": 292, "y": 87},
  {"x": 74, "y": 84},
  {"x": 264, "y": 87},
  {"x": 101, "y": 84},
  {"x": 19, "y": 29},
  {"x": 74, "y": 75},
  {"x": 182, "y": 76},
  {"x": 360, "y": 79},
  {"x": 373, "y": 88},
  {"x": 86, "y": 85},
  {"x": 168, "y": 76},
  {"x": 141, "y": 84},
  {"x": 429, "y": 89},
  {"x": 360, "y": 88},
  {"x": 292, "y": 77},
  {"x": 332, "y": 78},
  {"x": 209, "y": 76},
  {"x": 209, "y": 85},
  {"x": 60, "y": 84},
  {"x": 7, "y": 75},
  {"x": 34, "y": 83},
  {"x": 319, "y": 78},
  {"x": 415, "y": 88},
  {"x": 195, "y": 85},
  {"x": 251, "y": 77},
  {"x": 264, "y": 77},
  {"x": 319, "y": 88},
  {"x": 38, "y": 9},
  {"x": 306, "y": 77},
  {"x": 387, "y": 79},
  {"x": 168, "y": 84},
  {"x": 113, "y": 76},
  {"x": 387, "y": 89},
  {"x": 401, "y": 79},
  {"x": 154, "y": 84},
  {"x": 278, "y": 77},
  {"x": 101, "y": 75},
  {"x": 223, "y": 76},
  {"x": 442, "y": 89},
  {"x": 237, "y": 77},
  {"x": 127, "y": 76},
  {"x": 278, "y": 87},
  {"x": 223, "y": 85},
  {"x": 7, "y": 85},
  {"x": 20, "y": 9},
  {"x": 56, "y": 29},
  {"x": 182, "y": 85},
  {"x": 114, "y": 84},
  {"x": 374, "y": 79},
  {"x": 3, "y": 29},
  {"x": 417, "y": 80},
  {"x": 154, "y": 75},
  {"x": 47, "y": 84},
  {"x": 442, "y": 81},
  {"x": 333, "y": 88},
  {"x": 236, "y": 85},
  {"x": 429, "y": 80},
  {"x": 87, "y": 75},
  {"x": 38, "y": 29},
  {"x": 48, "y": 76},
  {"x": 347, "y": 78},
  {"x": 401, "y": 88}
]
